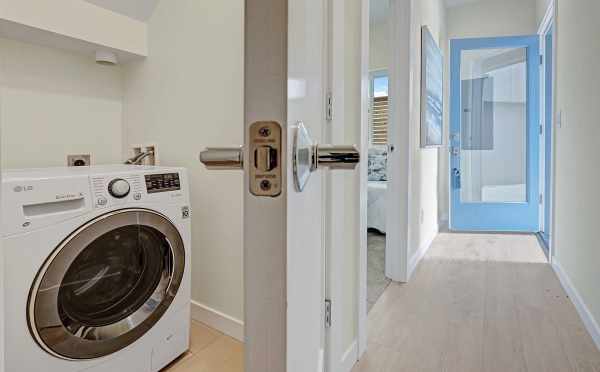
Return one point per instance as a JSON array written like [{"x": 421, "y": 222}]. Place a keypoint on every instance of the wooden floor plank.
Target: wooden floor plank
[{"x": 479, "y": 302}]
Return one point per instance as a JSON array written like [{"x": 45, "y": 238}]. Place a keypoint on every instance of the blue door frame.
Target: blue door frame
[
  {"x": 490, "y": 216},
  {"x": 548, "y": 116}
]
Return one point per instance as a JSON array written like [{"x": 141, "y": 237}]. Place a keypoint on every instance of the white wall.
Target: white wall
[
  {"x": 541, "y": 8},
  {"x": 1, "y": 261},
  {"x": 54, "y": 103},
  {"x": 424, "y": 185},
  {"x": 186, "y": 96},
  {"x": 577, "y": 174},
  {"x": 493, "y": 18},
  {"x": 1, "y": 254},
  {"x": 481, "y": 19},
  {"x": 379, "y": 41}
]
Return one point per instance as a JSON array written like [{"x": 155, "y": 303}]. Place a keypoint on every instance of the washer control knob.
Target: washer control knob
[
  {"x": 101, "y": 201},
  {"x": 119, "y": 188}
]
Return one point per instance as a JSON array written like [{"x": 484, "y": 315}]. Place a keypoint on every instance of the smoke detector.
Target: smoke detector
[{"x": 106, "y": 58}]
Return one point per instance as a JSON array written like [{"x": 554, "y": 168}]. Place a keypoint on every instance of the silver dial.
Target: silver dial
[{"x": 119, "y": 188}]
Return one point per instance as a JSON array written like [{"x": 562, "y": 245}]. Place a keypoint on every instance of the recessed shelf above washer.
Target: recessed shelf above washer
[{"x": 73, "y": 25}]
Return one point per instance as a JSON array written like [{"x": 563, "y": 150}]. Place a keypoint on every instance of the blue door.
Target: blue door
[
  {"x": 494, "y": 134},
  {"x": 548, "y": 136}
]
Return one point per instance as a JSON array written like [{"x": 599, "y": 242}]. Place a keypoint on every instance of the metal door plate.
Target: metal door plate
[
  {"x": 265, "y": 158},
  {"x": 303, "y": 156}
]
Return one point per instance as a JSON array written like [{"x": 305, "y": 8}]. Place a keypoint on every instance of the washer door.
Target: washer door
[{"x": 106, "y": 285}]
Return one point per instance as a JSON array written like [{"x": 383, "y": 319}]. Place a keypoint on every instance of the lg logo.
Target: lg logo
[{"x": 23, "y": 188}]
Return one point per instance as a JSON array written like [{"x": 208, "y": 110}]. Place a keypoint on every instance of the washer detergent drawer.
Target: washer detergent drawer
[
  {"x": 29, "y": 205},
  {"x": 170, "y": 347}
]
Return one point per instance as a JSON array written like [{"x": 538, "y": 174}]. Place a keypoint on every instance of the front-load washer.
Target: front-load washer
[{"x": 97, "y": 268}]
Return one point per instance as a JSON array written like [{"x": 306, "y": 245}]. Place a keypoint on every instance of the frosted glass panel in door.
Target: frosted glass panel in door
[{"x": 493, "y": 137}]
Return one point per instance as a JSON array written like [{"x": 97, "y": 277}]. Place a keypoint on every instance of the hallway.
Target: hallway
[{"x": 479, "y": 302}]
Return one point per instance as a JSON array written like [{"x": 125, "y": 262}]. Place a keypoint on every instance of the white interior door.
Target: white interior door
[
  {"x": 283, "y": 214},
  {"x": 306, "y": 103}
]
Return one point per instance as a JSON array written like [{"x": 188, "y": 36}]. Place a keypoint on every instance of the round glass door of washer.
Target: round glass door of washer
[{"x": 106, "y": 285}]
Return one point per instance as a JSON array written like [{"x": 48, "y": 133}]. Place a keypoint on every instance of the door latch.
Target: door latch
[{"x": 264, "y": 151}]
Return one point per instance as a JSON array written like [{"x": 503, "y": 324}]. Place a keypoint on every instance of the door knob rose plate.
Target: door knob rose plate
[
  {"x": 303, "y": 156},
  {"x": 309, "y": 156}
]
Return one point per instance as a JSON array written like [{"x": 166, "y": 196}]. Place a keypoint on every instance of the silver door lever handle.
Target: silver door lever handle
[
  {"x": 223, "y": 158},
  {"x": 336, "y": 157},
  {"x": 307, "y": 156}
]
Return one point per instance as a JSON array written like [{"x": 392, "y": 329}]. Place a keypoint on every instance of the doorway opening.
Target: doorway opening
[
  {"x": 487, "y": 175},
  {"x": 377, "y": 188}
]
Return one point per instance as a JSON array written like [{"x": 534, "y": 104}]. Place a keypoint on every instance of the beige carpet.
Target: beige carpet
[{"x": 376, "y": 280}]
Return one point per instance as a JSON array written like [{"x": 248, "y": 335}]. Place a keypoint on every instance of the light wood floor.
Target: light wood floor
[
  {"x": 479, "y": 303},
  {"x": 210, "y": 351}
]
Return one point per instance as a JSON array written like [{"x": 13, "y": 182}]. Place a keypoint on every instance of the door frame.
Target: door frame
[
  {"x": 340, "y": 357},
  {"x": 472, "y": 214},
  {"x": 547, "y": 25},
  {"x": 338, "y": 240},
  {"x": 402, "y": 38},
  {"x": 362, "y": 320}
]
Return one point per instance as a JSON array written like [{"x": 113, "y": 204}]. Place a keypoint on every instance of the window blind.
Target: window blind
[{"x": 379, "y": 121}]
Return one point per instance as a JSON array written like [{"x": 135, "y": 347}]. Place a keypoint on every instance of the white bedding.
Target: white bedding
[{"x": 376, "y": 201}]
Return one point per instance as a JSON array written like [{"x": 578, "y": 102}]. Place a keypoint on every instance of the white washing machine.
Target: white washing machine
[{"x": 97, "y": 266}]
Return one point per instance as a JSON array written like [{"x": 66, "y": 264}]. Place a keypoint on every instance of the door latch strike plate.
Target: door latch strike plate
[{"x": 265, "y": 158}]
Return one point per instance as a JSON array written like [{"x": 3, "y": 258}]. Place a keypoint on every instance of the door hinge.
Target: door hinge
[
  {"x": 541, "y": 198},
  {"x": 541, "y": 59},
  {"x": 327, "y": 313},
  {"x": 329, "y": 107},
  {"x": 541, "y": 130}
]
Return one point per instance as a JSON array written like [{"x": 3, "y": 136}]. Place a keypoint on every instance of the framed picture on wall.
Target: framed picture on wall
[{"x": 432, "y": 91}]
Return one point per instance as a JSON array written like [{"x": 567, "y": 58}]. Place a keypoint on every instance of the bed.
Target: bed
[
  {"x": 376, "y": 202},
  {"x": 377, "y": 189}
]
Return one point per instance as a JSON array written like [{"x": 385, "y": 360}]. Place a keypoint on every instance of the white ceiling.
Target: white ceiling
[
  {"x": 379, "y": 9},
  {"x": 137, "y": 9},
  {"x": 143, "y": 9}
]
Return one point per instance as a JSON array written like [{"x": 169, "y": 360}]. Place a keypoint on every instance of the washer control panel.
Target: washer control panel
[
  {"x": 116, "y": 189},
  {"x": 111, "y": 190},
  {"x": 162, "y": 182}
]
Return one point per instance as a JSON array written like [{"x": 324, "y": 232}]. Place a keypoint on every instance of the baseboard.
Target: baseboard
[
  {"x": 418, "y": 256},
  {"x": 349, "y": 358},
  {"x": 215, "y": 319},
  {"x": 584, "y": 312},
  {"x": 321, "y": 366},
  {"x": 444, "y": 224}
]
